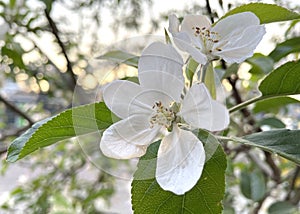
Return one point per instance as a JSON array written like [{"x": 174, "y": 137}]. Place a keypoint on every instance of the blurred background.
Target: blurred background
[{"x": 49, "y": 48}]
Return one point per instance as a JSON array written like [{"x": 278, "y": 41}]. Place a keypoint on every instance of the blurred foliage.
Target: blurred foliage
[{"x": 44, "y": 53}]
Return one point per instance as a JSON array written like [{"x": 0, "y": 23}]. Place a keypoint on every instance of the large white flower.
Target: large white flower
[
  {"x": 155, "y": 109},
  {"x": 233, "y": 38}
]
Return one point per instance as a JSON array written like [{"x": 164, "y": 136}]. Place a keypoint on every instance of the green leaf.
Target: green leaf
[
  {"x": 15, "y": 55},
  {"x": 253, "y": 185},
  {"x": 167, "y": 37},
  {"x": 267, "y": 13},
  {"x": 70, "y": 123},
  {"x": 209, "y": 81},
  {"x": 282, "y": 207},
  {"x": 260, "y": 64},
  {"x": 191, "y": 68},
  {"x": 120, "y": 57},
  {"x": 205, "y": 197},
  {"x": 272, "y": 122},
  {"x": 273, "y": 104},
  {"x": 285, "y": 80},
  {"x": 285, "y": 48},
  {"x": 283, "y": 142}
]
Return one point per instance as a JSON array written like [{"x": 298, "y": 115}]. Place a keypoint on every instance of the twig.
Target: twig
[
  {"x": 292, "y": 186},
  {"x": 60, "y": 43},
  {"x": 276, "y": 171},
  {"x": 209, "y": 11},
  {"x": 16, "y": 110}
]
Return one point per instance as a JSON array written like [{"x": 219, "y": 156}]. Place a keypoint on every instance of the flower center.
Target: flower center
[
  {"x": 208, "y": 38},
  {"x": 162, "y": 116}
]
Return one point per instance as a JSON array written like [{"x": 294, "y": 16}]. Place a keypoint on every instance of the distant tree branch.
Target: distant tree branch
[
  {"x": 16, "y": 110},
  {"x": 55, "y": 31},
  {"x": 209, "y": 11}
]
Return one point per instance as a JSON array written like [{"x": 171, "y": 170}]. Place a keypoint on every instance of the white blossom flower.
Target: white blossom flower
[
  {"x": 233, "y": 38},
  {"x": 155, "y": 109}
]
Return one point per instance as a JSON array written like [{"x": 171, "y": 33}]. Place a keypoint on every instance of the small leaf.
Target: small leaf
[
  {"x": 260, "y": 64},
  {"x": 283, "y": 142},
  {"x": 267, "y": 13},
  {"x": 120, "y": 57},
  {"x": 285, "y": 48},
  {"x": 273, "y": 104},
  {"x": 206, "y": 196},
  {"x": 191, "y": 68},
  {"x": 272, "y": 122},
  {"x": 282, "y": 207},
  {"x": 70, "y": 123},
  {"x": 253, "y": 185},
  {"x": 285, "y": 80}
]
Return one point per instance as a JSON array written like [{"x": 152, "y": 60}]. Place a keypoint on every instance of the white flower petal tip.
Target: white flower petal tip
[
  {"x": 201, "y": 111},
  {"x": 233, "y": 38},
  {"x": 180, "y": 161},
  {"x": 160, "y": 65}
]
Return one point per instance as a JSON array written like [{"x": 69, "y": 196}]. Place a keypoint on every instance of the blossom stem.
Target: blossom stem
[{"x": 246, "y": 103}]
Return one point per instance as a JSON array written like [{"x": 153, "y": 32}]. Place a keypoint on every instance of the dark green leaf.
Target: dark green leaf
[
  {"x": 284, "y": 142},
  {"x": 70, "y": 123},
  {"x": 282, "y": 207},
  {"x": 267, "y": 13},
  {"x": 205, "y": 197},
  {"x": 285, "y": 48},
  {"x": 253, "y": 185},
  {"x": 272, "y": 122},
  {"x": 120, "y": 57},
  {"x": 273, "y": 104},
  {"x": 260, "y": 64},
  {"x": 285, "y": 80}
]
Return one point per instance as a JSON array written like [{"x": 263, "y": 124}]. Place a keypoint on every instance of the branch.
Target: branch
[
  {"x": 209, "y": 11},
  {"x": 16, "y": 110},
  {"x": 60, "y": 43}
]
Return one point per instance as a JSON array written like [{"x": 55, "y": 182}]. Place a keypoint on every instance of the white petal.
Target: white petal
[
  {"x": 173, "y": 24},
  {"x": 201, "y": 111},
  {"x": 160, "y": 68},
  {"x": 242, "y": 47},
  {"x": 180, "y": 161},
  {"x": 235, "y": 23},
  {"x": 118, "y": 95},
  {"x": 184, "y": 43},
  {"x": 128, "y": 138},
  {"x": 133, "y": 130},
  {"x": 191, "y": 21}
]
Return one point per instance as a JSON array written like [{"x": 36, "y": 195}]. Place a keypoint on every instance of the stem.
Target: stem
[{"x": 246, "y": 103}]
